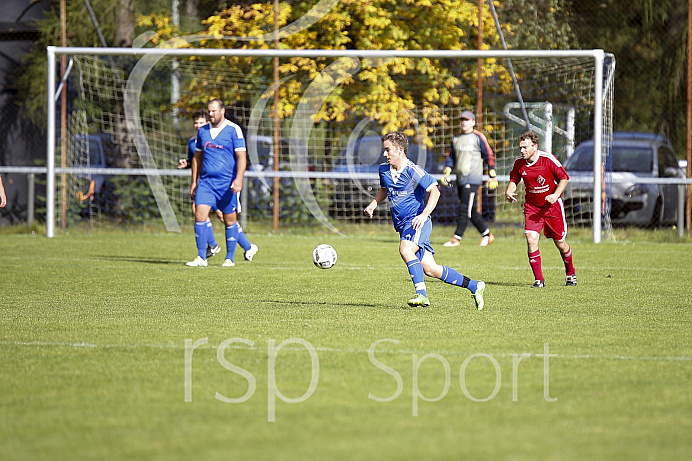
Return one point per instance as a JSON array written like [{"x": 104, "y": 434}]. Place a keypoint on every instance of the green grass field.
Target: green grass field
[{"x": 95, "y": 364}]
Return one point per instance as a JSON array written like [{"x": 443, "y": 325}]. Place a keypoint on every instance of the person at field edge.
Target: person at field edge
[
  {"x": 544, "y": 181},
  {"x": 3, "y": 197},
  {"x": 218, "y": 168},
  {"x": 468, "y": 152},
  {"x": 404, "y": 183},
  {"x": 199, "y": 119}
]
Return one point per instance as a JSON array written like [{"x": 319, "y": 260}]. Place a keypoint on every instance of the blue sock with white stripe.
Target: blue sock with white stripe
[
  {"x": 231, "y": 240},
  {"x": 453, "y": 277},
  {"x": 415, "y": 268},
  {"x": 210, "y": 235},
  {"x": 201, "y": 238},
  {"x": 243, "y": 240}
]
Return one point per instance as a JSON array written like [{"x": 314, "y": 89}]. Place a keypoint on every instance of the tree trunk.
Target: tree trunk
[
  {"x": 126, "y": 156},
  {"x": 191, "y": 8},
  {"x": 125, "y": 31}
]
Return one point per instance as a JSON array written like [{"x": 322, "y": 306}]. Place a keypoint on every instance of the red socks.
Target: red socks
[
  {"x": 567, "y": 258},
  {"x": 535, "y": 261}
]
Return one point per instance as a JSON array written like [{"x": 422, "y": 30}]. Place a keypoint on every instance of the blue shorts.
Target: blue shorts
[
  {"x": 420, "y": 237},
  {"x": 224, "y": 199}
]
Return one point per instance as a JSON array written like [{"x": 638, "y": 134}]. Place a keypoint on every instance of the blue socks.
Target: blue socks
[
  {"x": 449, "y": 275},
  {"x": 210, "y": 235},
  {"x": 242, "y": 239},
  {"x": 453, "y": 277},
  {"x": 201, "y": 238},
  {"x": 204, "y": 234},
  {"x": 231, "y": 240},
  {"x": 415, "y": 268}
]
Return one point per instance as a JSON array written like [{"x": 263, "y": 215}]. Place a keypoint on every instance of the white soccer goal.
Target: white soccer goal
[{"x": 125, "y": 131}]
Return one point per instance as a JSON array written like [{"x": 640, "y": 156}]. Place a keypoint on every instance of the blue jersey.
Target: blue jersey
[
  {"x": 218, "y": 146},
  {"x": 405, "y": 191},
  {"x": 191, "y": 147}
]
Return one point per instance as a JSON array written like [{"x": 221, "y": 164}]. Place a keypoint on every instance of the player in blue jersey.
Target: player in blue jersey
[
  {"x": 199, "y": 119},
  {"x": 404, "y": 183},
  {"x": 218, "y": 167}
]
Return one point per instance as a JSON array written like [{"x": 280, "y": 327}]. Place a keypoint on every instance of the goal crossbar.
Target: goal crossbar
[{"x": 597, "y": 55}]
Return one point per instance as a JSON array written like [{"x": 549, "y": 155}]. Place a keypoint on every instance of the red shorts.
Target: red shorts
[{"x": 549, "y": 219}]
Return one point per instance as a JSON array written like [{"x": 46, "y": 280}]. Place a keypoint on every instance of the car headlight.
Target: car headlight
[{"x": 636, "y": 190}]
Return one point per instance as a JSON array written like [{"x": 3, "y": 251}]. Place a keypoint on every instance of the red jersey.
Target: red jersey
[{"x": 540, "y": 177}]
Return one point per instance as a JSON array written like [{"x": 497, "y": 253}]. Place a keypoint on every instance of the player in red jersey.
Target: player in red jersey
[{"x": 544, "y": 181}]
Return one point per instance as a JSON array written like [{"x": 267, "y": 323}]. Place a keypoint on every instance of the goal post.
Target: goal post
[{"x": 320, "y": 176}]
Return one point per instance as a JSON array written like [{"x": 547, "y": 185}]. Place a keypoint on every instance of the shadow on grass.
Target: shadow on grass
[
  {"x": 340, "y": 304},
  {"x": 509, "y": 284},
  {"x": 433, "y": 281},
  {"x": 139, "y": 259}
]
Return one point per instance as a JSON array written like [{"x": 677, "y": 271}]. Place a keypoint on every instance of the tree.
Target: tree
[
  {"x": 377, "y": 90},
  {"x": 125, "y": 25},
  {"x": 32, "y": 74},
  {"x": 648, "y": 40},
  {"x": 537, "y": 24},
  {"x": 116, "y": 23}
]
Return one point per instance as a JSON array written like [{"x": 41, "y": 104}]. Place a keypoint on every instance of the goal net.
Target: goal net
[{"x": 128, "y": 120}]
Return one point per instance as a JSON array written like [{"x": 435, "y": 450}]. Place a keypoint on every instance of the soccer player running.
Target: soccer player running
[
  {"x": 468, "y": 152},
  {"x": 404, "y": 183},
  {"x": 218, "y": 168},
  {"x": 544, "y": 181}
]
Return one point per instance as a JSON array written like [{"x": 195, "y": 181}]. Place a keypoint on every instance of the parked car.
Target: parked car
[
  {"x": 95, "y": 151},
  {"x": 259, "y": 193},
  {"x": 365, "y": 155},
  {"x": 633, "y": 158},
  {"x": 262, "y": 159}
]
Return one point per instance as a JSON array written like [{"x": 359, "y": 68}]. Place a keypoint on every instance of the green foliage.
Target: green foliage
[
  {"x": 383, "y": 89},
  {"x": 123, "y": 200},
  {"x": 649, "y": 42},
  {"x": 80, "y": 32},
  {"x": 292, "y": 208},
  {"x": 537, "y": 24},
  {"x": 648, "y": 39},
  {"x": 134, "y": 201}
]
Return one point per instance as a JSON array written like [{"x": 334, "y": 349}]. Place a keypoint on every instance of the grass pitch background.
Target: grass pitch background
[{"x": 93, "y": 351}]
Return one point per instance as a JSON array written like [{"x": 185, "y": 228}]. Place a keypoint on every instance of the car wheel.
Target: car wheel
[{"x": 657, "y": 216}]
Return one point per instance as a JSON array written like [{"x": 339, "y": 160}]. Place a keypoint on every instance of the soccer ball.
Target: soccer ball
[{"x": 324, "y": 256}]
